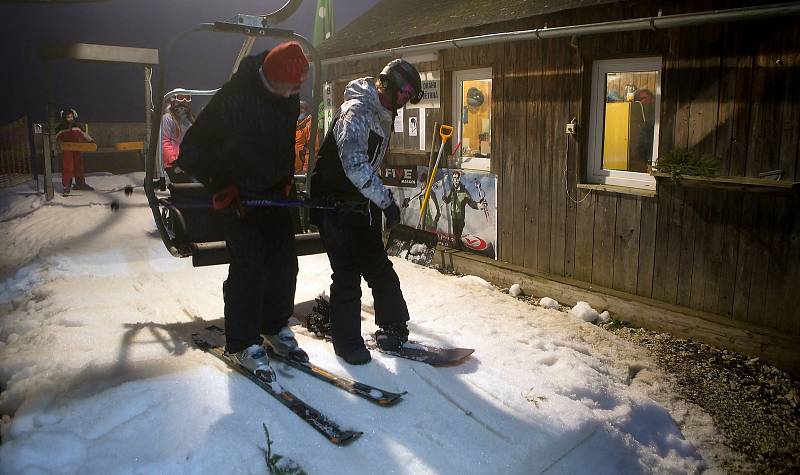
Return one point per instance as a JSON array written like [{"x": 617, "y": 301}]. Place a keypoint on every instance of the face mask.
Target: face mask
[{"x": 302, "y": 116}]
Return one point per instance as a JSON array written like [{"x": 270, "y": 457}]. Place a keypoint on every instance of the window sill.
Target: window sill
[
  {"x": 623, "y": 190},
  {"x": 730, "y": 183},
  {"x": 476, "y": 163}
]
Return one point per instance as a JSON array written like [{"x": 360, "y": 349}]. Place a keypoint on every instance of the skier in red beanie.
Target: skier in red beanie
[{"x": 242, "y": 145}]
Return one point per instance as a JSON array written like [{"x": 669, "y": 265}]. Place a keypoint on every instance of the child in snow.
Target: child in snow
[{"x": 69, "y": 130}]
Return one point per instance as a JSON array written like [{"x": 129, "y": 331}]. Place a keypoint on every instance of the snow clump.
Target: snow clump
[
  {"x": 547, "y": 302},
  {"x": 515, "y": 290},
  {"x": 605, "y": 316},
  {"x": 584, "y": 311}
]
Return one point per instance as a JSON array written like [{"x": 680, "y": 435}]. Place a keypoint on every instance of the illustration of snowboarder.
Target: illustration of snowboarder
[{"x": 458, "y": 197}]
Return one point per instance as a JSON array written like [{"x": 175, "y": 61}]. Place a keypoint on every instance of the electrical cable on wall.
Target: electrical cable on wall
[{"x": 566, "y": 166}]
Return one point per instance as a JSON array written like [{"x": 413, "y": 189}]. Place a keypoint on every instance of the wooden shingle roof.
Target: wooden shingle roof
[{"x": 392, "y": 23}]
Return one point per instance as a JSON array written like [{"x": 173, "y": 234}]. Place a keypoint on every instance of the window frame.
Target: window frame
[
  {"x": 596, "y": 172},
  {"x": 459, "y": 76}
]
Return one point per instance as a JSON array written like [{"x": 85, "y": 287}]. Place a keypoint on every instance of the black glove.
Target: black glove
[{"x": 392, "y": 214}]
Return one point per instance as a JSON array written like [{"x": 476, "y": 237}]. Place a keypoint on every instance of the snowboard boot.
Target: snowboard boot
[
  {"x": 353, "y": 352},
  {"x": 82, "y": 185},
  {"x": 254, "y": 359},
  {"x": 284, "y": 344},
  {"x": 391, "y": 337}
]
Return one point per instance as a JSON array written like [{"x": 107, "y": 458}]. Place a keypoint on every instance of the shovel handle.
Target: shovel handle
[{"x": 445, "y": 131}]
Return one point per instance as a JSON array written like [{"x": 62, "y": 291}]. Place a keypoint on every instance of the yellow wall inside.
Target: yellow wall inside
[
  {"x": 475, "y": 118},
  {"x": 615, "y": 138}
]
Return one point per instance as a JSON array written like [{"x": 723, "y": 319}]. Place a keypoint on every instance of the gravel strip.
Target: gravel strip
[{"x": 755, "y": 405}]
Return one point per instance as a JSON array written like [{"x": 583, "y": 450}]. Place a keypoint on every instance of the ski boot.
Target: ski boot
[
  {"x": 284, "y": 344},
  {"x": 391, "y": 337},
  {"x": 353, "y": 351},
  {"x": 254, "y": 359},
  {"x": 82, "y": 185}
]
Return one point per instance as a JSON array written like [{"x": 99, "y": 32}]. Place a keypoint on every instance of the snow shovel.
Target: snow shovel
[{"x": 416, "y": 244}]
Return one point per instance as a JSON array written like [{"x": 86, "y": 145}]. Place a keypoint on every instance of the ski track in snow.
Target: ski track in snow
[{"x": 97, "y": 375}]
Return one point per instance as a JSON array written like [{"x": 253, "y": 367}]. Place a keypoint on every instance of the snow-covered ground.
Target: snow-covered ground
[{"x": 97, "y": 378}]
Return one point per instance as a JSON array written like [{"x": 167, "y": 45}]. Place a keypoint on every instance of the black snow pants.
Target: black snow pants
[
  {"x": 355, "y": 249},
  {"x": 259, "y": 292}
]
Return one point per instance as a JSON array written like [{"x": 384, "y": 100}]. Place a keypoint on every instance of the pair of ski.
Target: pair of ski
[{"x": 317, "y": 420}]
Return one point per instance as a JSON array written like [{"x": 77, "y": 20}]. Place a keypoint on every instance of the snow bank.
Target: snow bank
[{"x": 472, "y": 280}]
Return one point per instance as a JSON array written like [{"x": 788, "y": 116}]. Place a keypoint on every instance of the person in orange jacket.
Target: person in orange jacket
[
  {"x": 70, "y": 130},
  {"x": 302, "y": 137}
]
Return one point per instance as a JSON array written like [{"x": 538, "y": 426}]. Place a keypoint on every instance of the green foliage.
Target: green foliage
[
  {"x": 681, "y": 162},
  {"x": 278, "y": 464}
]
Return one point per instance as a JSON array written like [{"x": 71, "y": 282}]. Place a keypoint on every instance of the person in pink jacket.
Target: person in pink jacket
[{"x": 174, "y": 124}]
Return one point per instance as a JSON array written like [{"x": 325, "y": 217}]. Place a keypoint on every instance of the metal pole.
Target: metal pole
[
  {"x": 148, "y": 107},
  {"x": 247, "y": 46},
  {"x": 48, "y": 136}
]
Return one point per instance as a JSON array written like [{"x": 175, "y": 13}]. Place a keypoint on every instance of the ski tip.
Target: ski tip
[
  {"x": 391, "y": 401},
  {"x": 346, "y": 437}
]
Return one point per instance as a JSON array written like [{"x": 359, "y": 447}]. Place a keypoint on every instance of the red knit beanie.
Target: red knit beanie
[{"x": 285, "y": 63}]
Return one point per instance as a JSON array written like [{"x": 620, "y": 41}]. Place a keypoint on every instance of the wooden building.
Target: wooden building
[{"x": 724, "y": 81}]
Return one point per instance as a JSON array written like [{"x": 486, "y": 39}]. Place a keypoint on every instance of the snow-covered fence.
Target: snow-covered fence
[{"x": 15, "y": 153}]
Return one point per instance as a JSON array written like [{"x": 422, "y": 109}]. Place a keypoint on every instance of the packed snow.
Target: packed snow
[{"x": 97, "y": 375}]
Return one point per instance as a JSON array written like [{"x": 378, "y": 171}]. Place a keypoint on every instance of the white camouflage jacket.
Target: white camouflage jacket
[{"x": 362, "y": 136}]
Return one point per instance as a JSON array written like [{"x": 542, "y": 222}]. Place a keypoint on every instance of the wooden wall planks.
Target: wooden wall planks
[{"x": 727, "y": 90}]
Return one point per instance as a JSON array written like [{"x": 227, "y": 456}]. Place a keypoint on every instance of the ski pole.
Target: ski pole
[
  {"x": 482, "y": 198},
  {"x": 347, "y": 206}
]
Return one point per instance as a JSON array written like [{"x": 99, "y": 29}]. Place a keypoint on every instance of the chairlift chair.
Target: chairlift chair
[{"x": 186, "y": 222}]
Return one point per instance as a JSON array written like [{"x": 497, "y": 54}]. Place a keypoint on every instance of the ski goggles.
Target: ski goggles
[
  {"x": 408, "y": 94},
  {"x": 182, "y": 98}
]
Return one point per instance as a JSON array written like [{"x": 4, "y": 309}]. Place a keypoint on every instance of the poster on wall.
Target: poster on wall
[
  {"x": 399, "y": 176},
  {"x": 398, "y": 121},
  {"x": 462, "y": 208}
]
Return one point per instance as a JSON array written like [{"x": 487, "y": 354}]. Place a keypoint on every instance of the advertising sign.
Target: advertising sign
[{"x": 462, "y": 208}]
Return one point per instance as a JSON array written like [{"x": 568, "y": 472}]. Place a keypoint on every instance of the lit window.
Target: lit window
[
  {"x": 623, "y": 131},
  {"x": 472, "y": 112}
]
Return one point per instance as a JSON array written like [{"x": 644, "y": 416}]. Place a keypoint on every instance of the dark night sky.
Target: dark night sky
[{"x": 115, "y": 92}]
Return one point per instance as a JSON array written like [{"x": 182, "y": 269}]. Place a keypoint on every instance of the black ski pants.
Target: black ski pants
[
  {"x": 355, "y": 249},
  {"x": 259, "y": 292}
]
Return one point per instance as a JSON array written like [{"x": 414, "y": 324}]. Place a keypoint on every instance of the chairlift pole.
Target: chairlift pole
[{"x": 148, "y": 107}]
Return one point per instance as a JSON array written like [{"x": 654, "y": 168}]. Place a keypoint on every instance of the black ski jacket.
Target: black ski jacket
[{"x": 244, "y": 136}]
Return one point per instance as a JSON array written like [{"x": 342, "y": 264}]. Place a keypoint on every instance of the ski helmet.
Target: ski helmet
[
  {"x": 398, "y": 73},
  {"x": 64, "y": 112}
]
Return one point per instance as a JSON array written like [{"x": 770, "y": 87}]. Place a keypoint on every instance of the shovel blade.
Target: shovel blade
[{"x": 415, "y": 245}]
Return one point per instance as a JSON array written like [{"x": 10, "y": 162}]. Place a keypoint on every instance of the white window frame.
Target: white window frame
[
  {"x": 470, "y": 163},
  {"x": 596, "y": 172}
]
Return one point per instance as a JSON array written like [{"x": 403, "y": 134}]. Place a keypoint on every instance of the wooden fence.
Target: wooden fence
[{"x": 15, "y": 153}]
